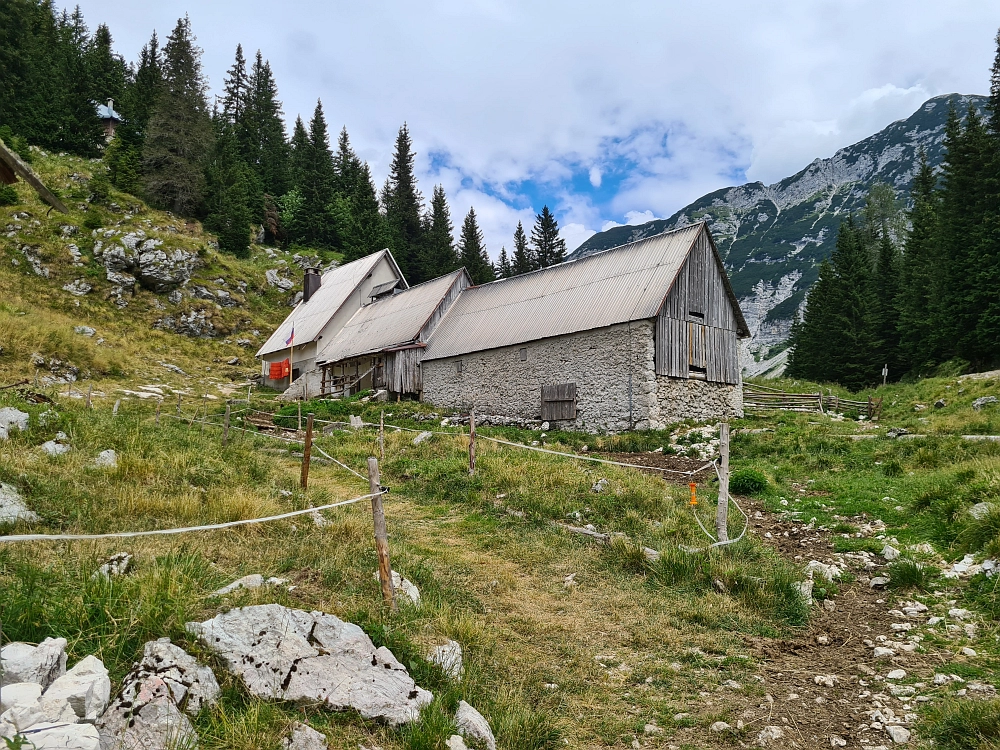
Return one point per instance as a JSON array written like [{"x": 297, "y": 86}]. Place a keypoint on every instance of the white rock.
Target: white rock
[
  {"x": 889, "y": 552},
  {"x": 826, "y": 680},
  {"x": 719, "y": 726},
  {"x": 276, "y": 651},
  {"x": 55, "y": 449},
  {"x": 829, "y": 572},
  {"x": 966, "y": 651},
  {"x": 881, "y": 652},
  {"x": 191, "y": 684},
  {"x": 979, "y": 511},
  {"x": 149, "y": 719},
  {"x": 837, "y": 741},
  {"x": 934, "y": 620},
  {"x": 12, "y": 507},
  {"x": 19, "y": 692},
  {"x": 600, "y": 485},
  {"x": 769, "y": 734},
  {"x": 896, "y": 674},
  {"x": 86, "y": 687},
  {"x": 879, "y": 582},
  {"x": 41, "y": 664},
  {"x": 901, "y": 691},
  {"x": 422, "y": 437},
  {"x": 107, "y": 459},
  {"x": 11, "y": 418},
  {"x": 473, "y": 725},
  {"x": 252, "y": 581},
  {"x": 899, "y": 735},
  {"x": 959, "y": 614},
  {"x": 43, "y": 710},
  {"x": 405, "y": 587},
  {"x": 62, "y": 736},
  {"x": 804, "y": 589},
  {"x": 304, "y": 737},
  {"x": 117, "y": 565},
  {"x": 449, "y": 657},
  {"x": 455, "y": 742}
]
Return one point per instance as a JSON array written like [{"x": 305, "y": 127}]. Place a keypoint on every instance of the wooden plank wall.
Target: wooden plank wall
[
  {"x": 402, "y": 370},
  {"x": 697, "y": 326},
  {"x": 559, "y": 402}
]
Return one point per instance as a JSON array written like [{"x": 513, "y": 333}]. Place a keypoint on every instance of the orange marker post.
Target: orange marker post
[{"x": 694, "y": 494}]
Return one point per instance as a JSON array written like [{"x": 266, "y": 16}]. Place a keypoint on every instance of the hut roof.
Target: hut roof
[
  {"x": 309, "y": 318},
  {"x": 619, "y": 285},
  {"x": 393, "y": 321}
]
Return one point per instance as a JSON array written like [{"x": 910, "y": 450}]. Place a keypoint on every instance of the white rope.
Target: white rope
[
  {"x": 209, "y": 527},
  {"x": 341, "y": 465},
  {"x": 746, "y": 519}
]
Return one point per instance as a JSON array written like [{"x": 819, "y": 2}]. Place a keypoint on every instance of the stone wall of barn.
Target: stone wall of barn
[
  {"x": 499, "y": 382},
  {"x": 682, "y": 398}
]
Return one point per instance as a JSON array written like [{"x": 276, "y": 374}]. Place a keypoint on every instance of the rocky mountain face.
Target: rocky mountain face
[{"x": 773, "y": 237}]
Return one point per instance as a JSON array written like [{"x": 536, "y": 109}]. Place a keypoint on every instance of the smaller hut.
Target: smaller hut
[{"x": 109, "y": 118}]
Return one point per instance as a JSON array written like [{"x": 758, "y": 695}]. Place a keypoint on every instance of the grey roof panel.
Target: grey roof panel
[
  {"x": 622, "y": 284},
  {"x": 389, "y": 322}
]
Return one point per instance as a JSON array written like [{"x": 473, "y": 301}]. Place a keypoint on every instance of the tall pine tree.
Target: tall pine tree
[
  {"x": 179, "y": 136},
  {"x": 401, "y": 201},
  {"x": 316, "y": 224},
  {"x": 549, "y": 247},
  {"x": 439, "y": 256},
  {"x": 472, "y": 251},
  {"x": 504, "y": 270},
  {"x": 523, "y": 260}
]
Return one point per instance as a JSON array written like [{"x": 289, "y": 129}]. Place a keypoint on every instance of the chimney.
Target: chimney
[{"x": 311, "y": 283}]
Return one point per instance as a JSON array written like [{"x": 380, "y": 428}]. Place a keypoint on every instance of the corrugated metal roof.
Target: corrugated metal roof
[
  {"x": 389, "y": 322},
  {"x": 310, "y": 317},
  {"x": 614, "y": 286}
]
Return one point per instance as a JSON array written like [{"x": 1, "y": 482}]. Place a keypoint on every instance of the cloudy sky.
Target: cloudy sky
[{"x": 612, "y": 112}]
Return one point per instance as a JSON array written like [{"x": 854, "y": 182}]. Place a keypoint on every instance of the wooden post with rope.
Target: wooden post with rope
[
  {"x": 90, "y": 393},
  {"x": 381, "y": 435},
  {"x": 472, "y": 442},
  {"x": 299, "y": 426},
  {"x": 381, "y": 535},
  {"x": 307, "y": 452},
  {"x": 225, "y": 428},
  {"x": 178, "y": 404},
  {"x": 722, "y": 510}
]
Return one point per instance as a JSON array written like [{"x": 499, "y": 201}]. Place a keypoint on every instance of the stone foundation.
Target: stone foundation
[{"x": 679, "y": 399}]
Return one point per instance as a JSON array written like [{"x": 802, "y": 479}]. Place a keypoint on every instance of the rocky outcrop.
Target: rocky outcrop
[
  {"x": 159, "y": 270},
  {"x": 293, "y": 655},
  {"x": 12, "y": 419},
  {"x": 194, "y": 323},
  {"x": 41, "y": 664},
  {"x": 13, "y": 508}
]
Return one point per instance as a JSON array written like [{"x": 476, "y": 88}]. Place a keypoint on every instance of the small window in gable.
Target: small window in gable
[
  {"x": 459, "y": 366},
  {"x": 523, "y": 354}
]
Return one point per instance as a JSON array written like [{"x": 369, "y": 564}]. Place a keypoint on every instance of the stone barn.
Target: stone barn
[{"x": 634, "y": 337}]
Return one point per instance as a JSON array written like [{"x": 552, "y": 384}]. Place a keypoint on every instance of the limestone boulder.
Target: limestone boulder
[
  {"x": 43, "y": 710},
  {"x": 12, "y": 506},
  {"x": 148, "y": 719},
  {"x": 19, "y": 692},
  {"x": 41, "y": 664},
  {"x": 473, "y": 726},
  {"x": 448, "y": 656},
  {"x": 12, "y": 419},
  {"x": 64, "y": 736},
  {"x": 308, "y": 657},
  {"x": 304, "y": 737},
  {"x": 161, "y": 271},
  {"x": 106, "y": 459},
  {"x": 86, "y": 687},
  {"x": 191, "y": 684}
]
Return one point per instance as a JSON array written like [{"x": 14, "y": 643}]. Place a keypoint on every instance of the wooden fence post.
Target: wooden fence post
[
  {"x": 307, "y": 451},
  {"x": 178, "y": 404},
  {"x": 381, "y": 435},
  {"x": 300, "y": 417},
  {"x": 472, "y": 442},
  {"x": 722, "y": 510},
  {"x": 114, "y": 411},
  {"x": 90, "y": 393},
  {"x": 225, "y": 428},
  {"x": 159, "y": 403},
  {"x": 381, "y": 535}
]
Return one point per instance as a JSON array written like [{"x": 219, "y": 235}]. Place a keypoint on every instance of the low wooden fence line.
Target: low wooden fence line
[{"x": 761, "y": 397}]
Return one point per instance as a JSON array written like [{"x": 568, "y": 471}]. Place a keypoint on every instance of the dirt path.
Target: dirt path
[{"x": 826, "y": 688}]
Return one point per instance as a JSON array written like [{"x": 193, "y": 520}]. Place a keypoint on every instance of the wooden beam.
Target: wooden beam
[{"x": 14, "y": 164}]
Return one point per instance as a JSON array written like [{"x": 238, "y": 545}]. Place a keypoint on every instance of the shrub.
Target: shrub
[
  {"x": 92, "y": 220},
  {"x": 907, "y": 575},
  {"x": 748, "y": 482},
  {"x": 8, "y": 196}
]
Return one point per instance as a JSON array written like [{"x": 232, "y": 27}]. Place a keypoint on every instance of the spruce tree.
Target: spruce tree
[
  {"x": 523, "y": 260},
  {"x": 439, "y": 256},
  {"x": 360, "y": 227},
  {"x": 503, "y": 267},
  {"x": 813, "y": 335},
  {"x": 549, "y": 247},
  {"x": 105, "y": 69},
  {"x": 918, "y": 273},
  {"x": 236, "y": 86},
  {"x": 317, "y": 225},
  {"x": 124, "y": 153},
  {"x": 993, "y": 106},
  {"x": 228, "y": 182},
  {"x": 402, "y": 204},
  {"x": 298, "y": 158},
  {"x": 472, "y": 251},
  {"x": 179, "y": 136}
]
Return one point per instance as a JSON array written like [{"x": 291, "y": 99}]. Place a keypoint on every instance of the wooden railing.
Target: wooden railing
[{"x": 762, "y": 397}]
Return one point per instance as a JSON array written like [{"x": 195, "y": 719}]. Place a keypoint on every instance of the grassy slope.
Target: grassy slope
[{"x": 36, "y": 315}]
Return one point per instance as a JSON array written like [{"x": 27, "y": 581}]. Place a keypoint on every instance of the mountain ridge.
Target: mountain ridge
[{"x": 772, "y": 238}]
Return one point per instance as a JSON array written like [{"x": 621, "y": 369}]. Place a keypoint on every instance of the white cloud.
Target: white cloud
[
  {"x": 595, "y": 176},
  {"x": 575, "y": 235}
]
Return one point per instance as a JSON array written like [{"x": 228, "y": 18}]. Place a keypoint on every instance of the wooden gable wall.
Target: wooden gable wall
[{"x": 696, "y": 331}]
